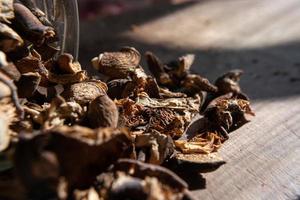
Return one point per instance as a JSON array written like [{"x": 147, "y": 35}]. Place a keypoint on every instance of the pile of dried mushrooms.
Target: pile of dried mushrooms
[{"x": 66, "y": 135}]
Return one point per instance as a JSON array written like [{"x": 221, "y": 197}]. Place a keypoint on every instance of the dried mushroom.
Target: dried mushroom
[
  {"x": 102, "y": 112},
  {"x": 80, "y": 164},
  {"x": 29, "y": 25},
  {"x": 117, "y": 64},
  {"x": 176, "y": 75},
  {"x": 84, "y": 92},
  {"x": 229, "y": 113},
  {"x": 74, "y": 137},
  {"x": 132, "y": 179}
]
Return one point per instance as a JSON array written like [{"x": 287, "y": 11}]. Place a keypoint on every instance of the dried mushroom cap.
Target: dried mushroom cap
[
  {"x": 9, "y": 39},
  {"x": 102, "y": 112},
  {"x": 121, "y": 185},
  {"x": 31, "y": 63},
  {"x": 142, "y": 170},
  {"x": 205, "y": 143},
  {"x": 182, "y": 65},
  {"x": 158, "y": 145},
  {"x": 67, "y": 78},
  {"x": 199, "y": 162},
  {"x": 83, "y": 160},
  {"x": 117, "y": 64},
  {"x": 61, "y": 112},
  {"x": 156, "y": 67},
  {"x": 187, "y": 104},
  {"x": 28, "y": 84},
  {"x": 31, "y": 5},
  {"x": 229, "y": 82},
  {"x": 6, "y": 10},
  {"x": 30, "y": 26},
  {"x": 84, "y": 92},
  {"x": 194, "y": 83},
  {"x": 67, "y": 65},
  {"x": 116, "y": 88},
  {"x": 229, "y": 113}
]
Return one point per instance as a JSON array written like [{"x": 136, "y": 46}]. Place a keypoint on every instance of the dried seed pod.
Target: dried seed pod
[
  {"x": 28, "y": 84},
  {"x": 67, "y": 65},
  {"x": 6, "y": 10},
  {"x": 103, "y": 112},
  {"x": 117, "y": 64},
  {"x": 29, "y": 25},
  {"x": 9, "y": 39},
  {"x": 84, "y": 92}
]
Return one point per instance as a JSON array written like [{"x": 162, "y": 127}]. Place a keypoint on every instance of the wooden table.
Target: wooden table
[{"x": 262, "y": 37}]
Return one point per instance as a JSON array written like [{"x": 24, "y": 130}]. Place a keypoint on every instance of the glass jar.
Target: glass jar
[{"x": 63, "y": 14}]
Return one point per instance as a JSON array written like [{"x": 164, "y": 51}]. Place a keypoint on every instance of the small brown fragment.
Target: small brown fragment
[{"x": 102, "y": 112}]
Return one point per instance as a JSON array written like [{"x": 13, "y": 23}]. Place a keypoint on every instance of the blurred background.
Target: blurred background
[{"x": 259, "y": 36}]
